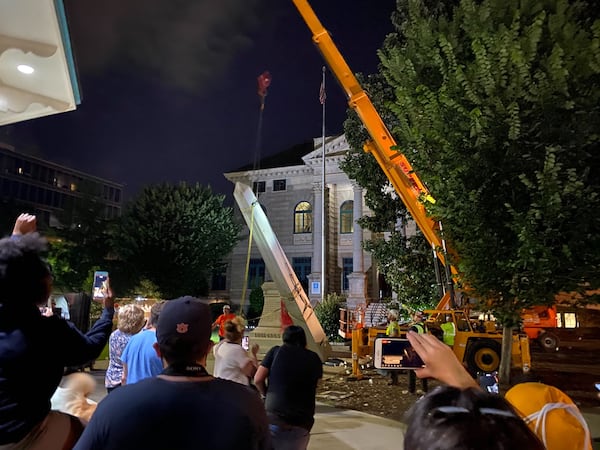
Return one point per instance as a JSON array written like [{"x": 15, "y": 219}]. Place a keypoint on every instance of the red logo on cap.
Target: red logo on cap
[{"x": 182, "y": 328}]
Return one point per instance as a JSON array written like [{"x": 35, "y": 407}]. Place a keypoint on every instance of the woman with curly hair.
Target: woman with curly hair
[{"x": 130, "y": 320}]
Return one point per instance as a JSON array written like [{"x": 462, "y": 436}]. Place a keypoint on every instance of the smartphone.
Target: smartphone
[
  {"x": 396, "y": 353},
  {"x": 489, "y": 382},
  {"x": 100, "y": 290},
  {"x": 597, "y": 386},
  {"x": 246, "y": 343}
]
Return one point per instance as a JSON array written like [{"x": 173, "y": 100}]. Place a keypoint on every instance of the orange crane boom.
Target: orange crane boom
[{"x": 382, "y": 145}]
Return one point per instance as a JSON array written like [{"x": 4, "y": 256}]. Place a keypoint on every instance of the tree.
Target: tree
[
  {"x": 498, "y": 110},
  {"x": 406, "y": 263},
  {"x": 174, "y": 236},
  {"x": 147, "y": 289},
  {"x": 328, "y": 313}
]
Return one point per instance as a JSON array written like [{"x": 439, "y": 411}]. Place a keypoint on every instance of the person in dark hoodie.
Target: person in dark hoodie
[{"x": 35, "y": 349}]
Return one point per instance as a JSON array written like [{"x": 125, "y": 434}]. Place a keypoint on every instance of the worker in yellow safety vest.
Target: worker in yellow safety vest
[
  {"x": 393, "y": 330},
  {"x": 449, "y": 330}
]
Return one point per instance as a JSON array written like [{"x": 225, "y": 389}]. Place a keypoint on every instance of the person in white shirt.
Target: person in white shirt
[{"x": 232, "y": 362}]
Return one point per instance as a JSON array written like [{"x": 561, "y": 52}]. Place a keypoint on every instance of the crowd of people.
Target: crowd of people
[{"x": 160, "y": 395}]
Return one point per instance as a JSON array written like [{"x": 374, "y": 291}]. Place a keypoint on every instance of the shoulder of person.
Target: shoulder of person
[
  {"x": 311, "y": 354},
  {"x": 243, "y": 394},
  {"x": 270, "y": 356},
  {"x": 217, "y": 346}
]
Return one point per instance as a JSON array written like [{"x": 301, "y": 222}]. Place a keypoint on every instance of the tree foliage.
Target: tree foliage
[
  {"x": 257, "y": 303},
  {"x": 174, "y": 236},
  {"x": 497, "y": 108},
  {"x": 405, "y": 263},
  {"x": 328, "y": 313}
]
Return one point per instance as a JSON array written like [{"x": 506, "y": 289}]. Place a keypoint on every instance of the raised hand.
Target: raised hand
[
  {"x": 25, "y": 223},
  {"x": 440, "y": 361}
]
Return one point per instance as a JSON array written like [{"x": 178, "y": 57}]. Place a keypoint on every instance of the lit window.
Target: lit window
[
  {"x": 347, "y": 217},
  {"x": 570, "y": 320},
  {"x": 20, "y": 171},
  {"x": 73, "y": 187},
  {"x": 303, "y": 218}
]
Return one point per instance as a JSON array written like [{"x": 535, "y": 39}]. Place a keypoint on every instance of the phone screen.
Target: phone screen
[
  {"x": 597, "y": 386},
  {"x": 489, "y": 382},
  {"x": 246, "y": 343},
  {"x": 396, "y": 353},
  {"x": 100, "y": 290}
]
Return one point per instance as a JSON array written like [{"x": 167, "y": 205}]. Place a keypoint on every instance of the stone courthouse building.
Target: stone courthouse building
[{"x": 289, "y": 189}]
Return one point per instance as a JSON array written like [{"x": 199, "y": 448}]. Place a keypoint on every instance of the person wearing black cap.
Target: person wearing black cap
[{"x": 184, "y": 407}]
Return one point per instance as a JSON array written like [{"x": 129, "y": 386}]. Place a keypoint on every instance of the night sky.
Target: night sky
[{"x": 169, "y": 90}]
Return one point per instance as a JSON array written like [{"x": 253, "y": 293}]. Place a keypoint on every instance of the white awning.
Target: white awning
[{"x": 37, "y": 73}]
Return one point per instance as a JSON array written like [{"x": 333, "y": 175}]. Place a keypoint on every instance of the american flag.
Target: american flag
[{"x": 322, "y": 94}]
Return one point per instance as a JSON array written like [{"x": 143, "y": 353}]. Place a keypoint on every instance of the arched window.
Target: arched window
[
  {"x": 303, "y": 218},
  {"x": 347, "y": 217}
]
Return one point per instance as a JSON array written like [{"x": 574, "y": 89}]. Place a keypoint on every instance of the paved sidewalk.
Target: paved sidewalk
[{"x": 341, "y": 429}]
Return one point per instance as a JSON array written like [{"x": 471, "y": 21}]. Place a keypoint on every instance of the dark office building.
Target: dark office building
[{"x": 48, "y": 188}]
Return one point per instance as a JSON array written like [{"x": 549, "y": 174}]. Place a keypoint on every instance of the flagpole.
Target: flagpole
[{"x": 322, "y": 97}]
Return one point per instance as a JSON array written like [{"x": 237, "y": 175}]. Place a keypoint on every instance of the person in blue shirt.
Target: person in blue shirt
[
  {"x": 139, "y": 357},
  {"x": 35, "y": 349}
]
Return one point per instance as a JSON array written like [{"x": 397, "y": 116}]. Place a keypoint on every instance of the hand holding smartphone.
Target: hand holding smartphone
[
  {"x": 489, "y": 382},
  {"x": 396, "y": 353},
  {"x": 101, "y": 289}
]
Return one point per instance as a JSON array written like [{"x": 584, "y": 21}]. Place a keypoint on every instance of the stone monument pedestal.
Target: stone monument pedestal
[{"x": 268, "y": 332}]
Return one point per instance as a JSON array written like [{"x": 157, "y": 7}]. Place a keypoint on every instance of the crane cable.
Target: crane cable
[{"x": 264, "y": 81}]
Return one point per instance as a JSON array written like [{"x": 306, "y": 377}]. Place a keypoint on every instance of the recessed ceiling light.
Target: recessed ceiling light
[{"x": 24, "y": 68}]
